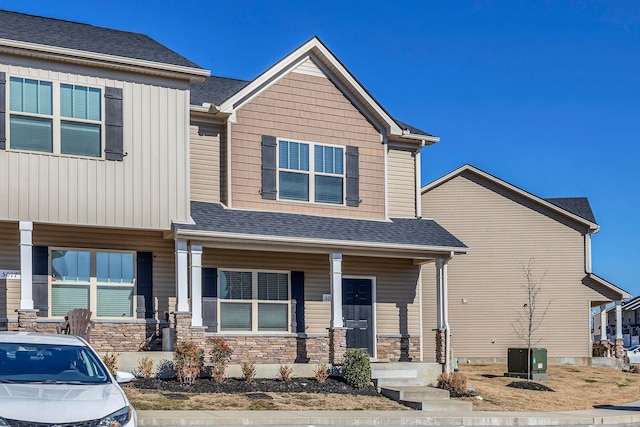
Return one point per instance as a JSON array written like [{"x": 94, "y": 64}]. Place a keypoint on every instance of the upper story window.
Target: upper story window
[
  {"x": 35, "y": 124},
  {"x": 311, "y": 172}
]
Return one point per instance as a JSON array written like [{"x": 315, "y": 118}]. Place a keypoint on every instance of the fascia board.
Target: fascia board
[
  {"x": 297, "y": 56},
  {"x": 314, "y": 243},
  {"x": 592, "y": 226},
  {"x": 74, "y": 55},
  {"x": 623, "y": 294}
]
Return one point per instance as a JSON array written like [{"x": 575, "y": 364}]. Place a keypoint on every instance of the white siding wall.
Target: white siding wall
[{"x": 147, "y": 190}]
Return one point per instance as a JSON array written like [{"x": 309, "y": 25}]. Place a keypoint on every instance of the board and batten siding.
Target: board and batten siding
[
  {"x": 487, "y": 288},
  {"x": 401, "y": 183},
  {"x": 147, "y": 190},
  {"x": 308, "y": 108},
  {"x": 92, "y": 238},
  {"x": 205, "y": 161},
  {"x": 397, "y": 309}
]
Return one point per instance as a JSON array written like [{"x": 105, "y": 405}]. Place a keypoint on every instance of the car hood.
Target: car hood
[{"x": 59, "y": 403}]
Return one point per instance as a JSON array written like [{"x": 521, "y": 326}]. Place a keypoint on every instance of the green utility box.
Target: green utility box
[{"x": 517, "y": 363}]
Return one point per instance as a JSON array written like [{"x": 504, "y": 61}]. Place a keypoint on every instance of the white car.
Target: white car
[
  {"x": 633, "y": 355},
  {"x": 48, "y": 379}
]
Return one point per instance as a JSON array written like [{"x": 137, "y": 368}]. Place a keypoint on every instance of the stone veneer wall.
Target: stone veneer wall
[
  {"x": 441, "y": 351},
  {"x": 276, "y": 349},
  {"x": 398, "y": 349}
]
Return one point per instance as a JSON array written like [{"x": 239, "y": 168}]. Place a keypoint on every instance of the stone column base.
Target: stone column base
[
  {"x": 619, "y": 349},
  {"x": 184, "y": 330},
  {"x": 441, "y": 346},
  {"x": 337, "y": 345},
  {"x": 27, "y": 320}
]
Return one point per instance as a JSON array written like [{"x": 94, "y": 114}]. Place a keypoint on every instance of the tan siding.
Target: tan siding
[
  {"x": 306, "y": 108},
  {"x": 401, "y": 183},
  {"x": 147, "y": 190},
  {"x": 205, "y": 162},
  {"x": 486, "y": 286},
  {"x": 13, "y": 297}
]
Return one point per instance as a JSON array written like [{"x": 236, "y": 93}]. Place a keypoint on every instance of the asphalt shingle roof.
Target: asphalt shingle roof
[
  {"x": 411, "y": 129},
  {"x": 399, "y": 231},
  {"x": 576, "y": 205},
  {"x": 215, "y": 90},
  {"x": 85, "y": 37}
]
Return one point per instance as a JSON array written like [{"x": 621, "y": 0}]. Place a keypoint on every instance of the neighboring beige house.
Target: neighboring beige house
[
  {"x": 281, "y": 214},
  {"x": 625, "y": 314},
  {"x": 505, "y": 227}
]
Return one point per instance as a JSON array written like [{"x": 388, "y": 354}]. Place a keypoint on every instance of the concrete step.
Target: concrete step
[
  {"x": 397, "y": 382},
  {"x": 394, "y": 373},
  {"x": 414, "y": 393},
  {"x": 440, "y": 405}
]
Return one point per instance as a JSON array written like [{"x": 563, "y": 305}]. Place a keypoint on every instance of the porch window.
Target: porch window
[
  {"x": 101, "y": 281},
  {"x": 254, "y": 301}
]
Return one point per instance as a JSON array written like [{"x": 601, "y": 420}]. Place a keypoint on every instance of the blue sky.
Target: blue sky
[{"x": 542, "y": 94}]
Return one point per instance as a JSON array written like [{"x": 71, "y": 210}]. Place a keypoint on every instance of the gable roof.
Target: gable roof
[
  {"x": 77, "y": 40},
  {"x": 608, "y": 285},
  {"x": 577, "y": 209},
  {"x": 230, "y": 94},
  {"x": 399, "y": 234}
]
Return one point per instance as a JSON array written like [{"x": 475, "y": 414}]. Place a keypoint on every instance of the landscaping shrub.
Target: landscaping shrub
[
  {"x": 356, "y": 369},
  {"x": 187, "y": 358},
  {"x": 248, "y": 371},
  {"x": 321, "y": 373},
  {"x": 454, "y": 381},
  {"x": 111, "y": 360},
  {"x": 145, "y": 368},
  {"x": 285, "y": 372},
  {"x": 220, "y": 355}
]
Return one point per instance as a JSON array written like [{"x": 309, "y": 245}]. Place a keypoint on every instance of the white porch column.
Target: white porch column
[
  {"x": 336, "y": 291},
  {"x": 196, "y": 285},
  {"x": 603, "y": 322},
  {"x": 618, "y": 320},
  {"x": 182, "y": 281},
  {"x": 26, "y": 266}
]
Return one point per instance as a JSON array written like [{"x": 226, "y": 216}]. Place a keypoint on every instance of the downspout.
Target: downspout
[
  {"x": 418, "y": 170},
  {"x": 229, "y": 202}
]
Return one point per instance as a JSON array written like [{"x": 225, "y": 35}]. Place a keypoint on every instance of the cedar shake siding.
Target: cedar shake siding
[
  {"x": 305, "y": 108},
  {"x": 486, "y": 286}
]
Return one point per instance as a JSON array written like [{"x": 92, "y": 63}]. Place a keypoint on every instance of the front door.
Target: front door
[{"x": 358, "y": 313}]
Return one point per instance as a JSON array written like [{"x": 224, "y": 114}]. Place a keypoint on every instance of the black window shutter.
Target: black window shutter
[
  {"x": 209, "y": 282},
  {"x": 144, "y": 285},
  {"x": 353, "y": 176},
  {"x": 209, "y": 299},
  {"x": 269, "y": 147},
  {"x": 297, "y": 294},
  {"x": 3, "y": 100},
  {"x": 40, "y": 279},
  {"x": 113, "y": 123}
]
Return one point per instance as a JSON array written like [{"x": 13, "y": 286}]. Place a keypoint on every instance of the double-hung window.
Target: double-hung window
[
  {"x": 101, "y": 281},
  {"x": 254, "y": 301},
  {"x": 311, "y": 172},
  {"x": 55, "y": 118}
]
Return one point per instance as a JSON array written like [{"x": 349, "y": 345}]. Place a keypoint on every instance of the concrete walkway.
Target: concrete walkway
[{"x": 623, "y": 414}]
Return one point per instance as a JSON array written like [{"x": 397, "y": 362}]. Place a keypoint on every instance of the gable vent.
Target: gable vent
[{"x": 308, "y": 67}]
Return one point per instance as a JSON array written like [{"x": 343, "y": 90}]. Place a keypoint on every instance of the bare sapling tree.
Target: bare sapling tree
[{"x": 529, "y": 319}]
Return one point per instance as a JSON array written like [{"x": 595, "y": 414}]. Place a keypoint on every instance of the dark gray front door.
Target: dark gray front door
[{"x": 357, "y": 312}]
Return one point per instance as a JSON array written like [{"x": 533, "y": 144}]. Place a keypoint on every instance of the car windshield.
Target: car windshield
[{"x": 50, "y": 364}]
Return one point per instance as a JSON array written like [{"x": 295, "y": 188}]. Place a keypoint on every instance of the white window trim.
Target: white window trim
[
  {"x": 254, "y": 301},
  {"x": 93, "y": 282},
  {"x": 311, "y": 172},
  {"x": 55, "y": 117}
]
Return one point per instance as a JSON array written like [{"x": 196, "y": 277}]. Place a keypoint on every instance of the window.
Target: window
[
  {"x": 254, "y": 301},
  {"x": 101, "y": 281},
  {"x": 324, "y": 183},
  {"x": 36, "y": 124}
]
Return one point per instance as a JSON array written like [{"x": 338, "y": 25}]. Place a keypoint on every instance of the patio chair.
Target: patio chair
[{"x": 77, "y": 322}]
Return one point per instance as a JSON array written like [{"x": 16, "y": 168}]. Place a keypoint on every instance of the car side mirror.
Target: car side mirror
[{"x": 124, "y": 377}]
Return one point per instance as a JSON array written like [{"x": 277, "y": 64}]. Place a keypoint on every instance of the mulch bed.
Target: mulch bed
[
  {"x": 332, "y": 385},
  {"x": 529, "y": 385}
]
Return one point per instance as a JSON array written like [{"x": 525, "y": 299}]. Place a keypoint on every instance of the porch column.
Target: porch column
[
  {"x": 603, "y": 322},
  {"x": 181, "y": 277},
  {"x": 619, "y": 343},
  {"x": 26, "y": 263},
  {"x": 443, "y": 337},
  {"x": 336, "y": 291},
  {"x": 196, "y": 285}
]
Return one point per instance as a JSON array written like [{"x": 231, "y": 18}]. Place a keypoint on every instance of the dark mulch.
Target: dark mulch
[
  {"x": 234, "y": 385},
  {"x": 529, "y": 385}
]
